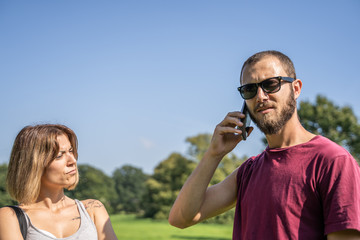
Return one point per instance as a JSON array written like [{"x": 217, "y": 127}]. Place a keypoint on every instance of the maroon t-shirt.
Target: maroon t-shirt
[{"x": 302, "y": 192}]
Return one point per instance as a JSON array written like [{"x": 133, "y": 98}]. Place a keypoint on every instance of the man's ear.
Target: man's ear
[{"x": 297, "y": 85}]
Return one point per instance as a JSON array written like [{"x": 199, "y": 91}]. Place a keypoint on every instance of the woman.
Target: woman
[{"x": 42, "y": 164}]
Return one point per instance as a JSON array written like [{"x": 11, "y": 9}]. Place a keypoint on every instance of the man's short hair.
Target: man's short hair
[{"x": 285, "y": 61}]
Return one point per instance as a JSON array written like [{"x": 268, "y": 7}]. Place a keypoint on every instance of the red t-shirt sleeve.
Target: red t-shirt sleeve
[{"x": 339, "y": 188}]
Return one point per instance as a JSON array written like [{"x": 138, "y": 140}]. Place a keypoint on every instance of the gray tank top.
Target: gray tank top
[{"x": 86, "y": 231}]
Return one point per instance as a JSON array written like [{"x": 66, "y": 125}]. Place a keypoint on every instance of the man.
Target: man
[{"x": 301, "y": 187}]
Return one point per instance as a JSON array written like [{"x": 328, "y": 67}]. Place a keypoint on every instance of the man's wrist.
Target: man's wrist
[{"x": 210, "y": 156}]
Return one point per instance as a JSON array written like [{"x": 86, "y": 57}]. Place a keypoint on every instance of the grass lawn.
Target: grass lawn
[{"x": 131, "y": 228}]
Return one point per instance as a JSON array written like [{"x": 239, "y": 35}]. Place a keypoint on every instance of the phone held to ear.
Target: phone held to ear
[{"x": 246, "y": 121}]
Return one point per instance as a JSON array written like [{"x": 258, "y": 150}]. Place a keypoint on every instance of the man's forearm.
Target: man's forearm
[{"x": 186, "y": 209}]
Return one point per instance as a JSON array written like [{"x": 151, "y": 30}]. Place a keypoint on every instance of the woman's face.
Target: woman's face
[{"x": 62, "y": 171}]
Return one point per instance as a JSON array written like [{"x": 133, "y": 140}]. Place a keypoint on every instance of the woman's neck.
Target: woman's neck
[{"x": 53, "y": 200}]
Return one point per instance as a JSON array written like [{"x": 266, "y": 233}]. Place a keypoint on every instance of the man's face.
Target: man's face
[{"x": 269, "y": 111}]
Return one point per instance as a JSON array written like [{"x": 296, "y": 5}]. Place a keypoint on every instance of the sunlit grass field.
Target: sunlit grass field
[{"x": 131, "y": 228}]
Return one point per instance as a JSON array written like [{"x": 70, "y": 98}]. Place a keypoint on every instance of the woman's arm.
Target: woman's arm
[
  {"x": 99, "y": 215},
  {"x": 9, "y": 224}
]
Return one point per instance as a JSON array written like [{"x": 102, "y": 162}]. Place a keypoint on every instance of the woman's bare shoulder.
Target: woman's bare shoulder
[
  {"x": 9, "y": 225},
  {"x": 7, "y": 212},
  {"x": 92, "y": 204}
]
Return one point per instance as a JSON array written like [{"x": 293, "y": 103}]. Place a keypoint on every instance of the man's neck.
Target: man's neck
[{"x": 293, "y": 133}]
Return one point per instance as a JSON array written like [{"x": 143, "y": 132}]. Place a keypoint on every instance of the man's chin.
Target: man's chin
[{"x": 264, "y": 117}]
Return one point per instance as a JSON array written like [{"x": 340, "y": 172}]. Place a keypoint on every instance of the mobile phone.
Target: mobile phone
[{"x": 246, "y": 121}]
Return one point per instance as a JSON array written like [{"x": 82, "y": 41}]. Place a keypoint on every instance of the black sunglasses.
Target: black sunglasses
[{"x": 270, "y": 85}]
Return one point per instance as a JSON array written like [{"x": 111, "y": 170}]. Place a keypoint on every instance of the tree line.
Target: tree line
[{"x": 130, "y": 190}]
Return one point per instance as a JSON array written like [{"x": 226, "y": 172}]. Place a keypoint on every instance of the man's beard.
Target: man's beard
[{"x": 270, "y": 127}]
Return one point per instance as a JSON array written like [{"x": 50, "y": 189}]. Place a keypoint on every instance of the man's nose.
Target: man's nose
[{"x": 261, "y": 95}]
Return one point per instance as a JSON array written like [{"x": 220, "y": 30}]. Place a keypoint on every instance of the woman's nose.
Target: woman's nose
[{"x": 71, "y": 158}]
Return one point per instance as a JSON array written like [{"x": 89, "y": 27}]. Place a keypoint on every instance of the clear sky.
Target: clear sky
[{"x": 134, "y": 79}]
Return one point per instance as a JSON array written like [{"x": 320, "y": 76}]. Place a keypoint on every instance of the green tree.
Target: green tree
[
  {"x": 5, "y": 198},
  {"x": 198, "y": 146},
  {"x": 94, "y": 184},
  {"x": 336, "y": 123},
  {"x": 164, "y": 185},
  {"x": 130, "y": 187}
]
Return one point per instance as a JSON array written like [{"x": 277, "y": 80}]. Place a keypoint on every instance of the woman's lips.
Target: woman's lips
[{"x": 72, "y": 171}]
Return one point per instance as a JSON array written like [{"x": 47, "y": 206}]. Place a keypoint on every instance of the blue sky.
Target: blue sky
[{"x": 134, "y": 79}]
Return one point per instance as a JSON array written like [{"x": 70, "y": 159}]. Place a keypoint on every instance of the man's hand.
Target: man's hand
[{"x": 226, "y": 135}]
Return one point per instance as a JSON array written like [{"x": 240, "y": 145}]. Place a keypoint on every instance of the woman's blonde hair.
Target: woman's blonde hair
[{"x": 35, "y": 147}]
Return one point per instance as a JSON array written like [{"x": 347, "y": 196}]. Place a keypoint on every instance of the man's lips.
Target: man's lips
[{"x": 264, "y": 109}]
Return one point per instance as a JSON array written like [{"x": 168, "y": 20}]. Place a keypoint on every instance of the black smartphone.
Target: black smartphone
[{"x": 246, "y": 121}]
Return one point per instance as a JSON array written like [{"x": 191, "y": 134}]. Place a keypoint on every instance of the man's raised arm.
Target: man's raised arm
[{"x": 196, "y": 201}]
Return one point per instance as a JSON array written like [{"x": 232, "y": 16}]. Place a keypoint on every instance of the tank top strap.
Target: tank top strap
[{"x": 82, "y": 210}]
